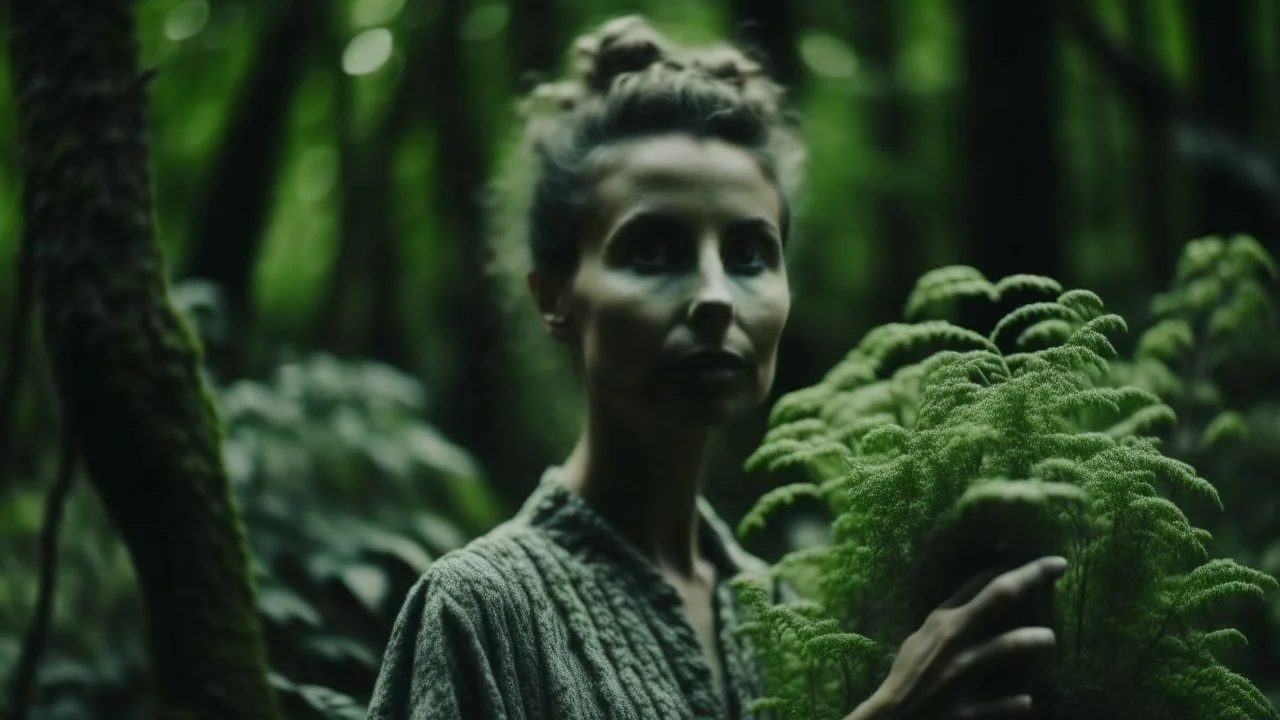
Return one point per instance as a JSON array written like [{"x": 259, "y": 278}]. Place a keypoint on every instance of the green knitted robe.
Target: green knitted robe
[{"x": 553, "y": 615}]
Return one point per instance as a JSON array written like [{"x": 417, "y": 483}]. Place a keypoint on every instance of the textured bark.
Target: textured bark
[
  {"x": 1155, "y": 216},
  {"x": 1009, "y": 163},
  {"x": 536, "y": 42},
  {"x": 878, "y": 38},
  {"x": 1008, "y": 170},
  {"x": 1228, "y": 90},
  {"x": 227, "y": 229},
  {"x": 126, "y": 367},
  {"x": 476, "y": 405},
  {"x": 1196, "y": 135},
  {"x": 362, "y": 313}
]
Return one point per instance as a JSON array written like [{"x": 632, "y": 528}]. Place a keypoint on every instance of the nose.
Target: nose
[{"x": 711, "y": 307}]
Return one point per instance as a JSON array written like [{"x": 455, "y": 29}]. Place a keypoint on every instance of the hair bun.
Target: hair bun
[
  {"x": 623, "y": 45},
  {"x": 727, "y": 63}
]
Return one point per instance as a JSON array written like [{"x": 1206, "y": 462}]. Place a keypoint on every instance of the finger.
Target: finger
[
  {"x": 1009, "y": 586},
  {"x": 970, "y": 589},
  {"x": 1015, "y": 706},
  {"x": 1026, "y": 644},
  {"x": 1020, "y": 641}
]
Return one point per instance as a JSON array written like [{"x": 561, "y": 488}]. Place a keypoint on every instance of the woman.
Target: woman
[{"x": 658, "y": 222}]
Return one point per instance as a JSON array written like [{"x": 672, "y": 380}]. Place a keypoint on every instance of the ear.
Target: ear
[{"x": 552, "y": 299}]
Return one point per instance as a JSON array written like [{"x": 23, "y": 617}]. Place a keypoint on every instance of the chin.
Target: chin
[
  {"x": 684, "y": 407},
  {"x": 691, "y": 412}
]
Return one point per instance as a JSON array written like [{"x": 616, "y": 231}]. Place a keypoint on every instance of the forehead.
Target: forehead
[{"x": 684, "y": 175}]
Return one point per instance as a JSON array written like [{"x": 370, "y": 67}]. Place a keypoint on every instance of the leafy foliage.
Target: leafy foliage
[
  {"x": 1213, "y": 343},
  {"x": 1217, "y": 309},
  {"x": 347, "y": 497},
  {"x": 991, "y": 451}
]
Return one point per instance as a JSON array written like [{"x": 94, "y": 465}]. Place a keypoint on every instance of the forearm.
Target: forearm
[{"x": 875, "y": 707}]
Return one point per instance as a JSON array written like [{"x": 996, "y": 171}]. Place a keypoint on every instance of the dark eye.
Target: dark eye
[
  {"x": 651, "y": 244},
  {"x": 649, "y": 253},
  {"x": 748, "y": 254}
]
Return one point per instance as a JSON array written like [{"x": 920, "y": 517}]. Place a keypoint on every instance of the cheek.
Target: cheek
[
  {"x": 766, "y": 320},
  {"x": 624, "y": 337}
]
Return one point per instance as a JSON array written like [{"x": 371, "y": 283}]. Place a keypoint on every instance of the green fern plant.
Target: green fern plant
[
  {"x": 942, "y": 452},
  {"x": 1218, "y": 306}
]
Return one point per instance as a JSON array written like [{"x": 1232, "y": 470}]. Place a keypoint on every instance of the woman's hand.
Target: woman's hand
[{"x": 935, "y": 666}]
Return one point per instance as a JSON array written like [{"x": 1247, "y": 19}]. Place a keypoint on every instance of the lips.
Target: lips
[{"x": 711, "y": 364}]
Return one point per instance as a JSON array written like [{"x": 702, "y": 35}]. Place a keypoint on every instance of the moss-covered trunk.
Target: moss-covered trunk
[{"x": 126, "y": 366}]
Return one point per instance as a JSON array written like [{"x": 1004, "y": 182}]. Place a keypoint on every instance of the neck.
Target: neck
[{"x": 645, "y": 482}]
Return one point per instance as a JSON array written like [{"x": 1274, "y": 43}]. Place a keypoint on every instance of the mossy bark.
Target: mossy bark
[{"x": 126, "y": 366}]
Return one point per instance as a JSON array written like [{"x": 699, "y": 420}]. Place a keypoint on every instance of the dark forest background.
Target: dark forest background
[{"x": 323, "y": 175}]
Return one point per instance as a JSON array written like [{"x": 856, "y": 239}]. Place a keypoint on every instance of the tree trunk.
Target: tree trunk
[
  {"x": 1008, "y": 174},
  {"x": 878, "y": 38},
  {"x": 1227, "y": 86},
  {"x": 536, "y": 41},
  {"x": 227, "y": 228},
  {"x": 127, "y": 368},
  {"x": 475, "y": 410},
  {"x": 1155, "y": 216},
  {"x": 362, "y": 313},
  {"x": 1224, "y": 159}
]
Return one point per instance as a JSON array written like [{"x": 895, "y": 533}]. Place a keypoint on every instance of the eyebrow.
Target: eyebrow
[
  {"x": 755, "y": 223},
  {"x": 645, "y": 217},
  {"x": 640, "y": 219}
]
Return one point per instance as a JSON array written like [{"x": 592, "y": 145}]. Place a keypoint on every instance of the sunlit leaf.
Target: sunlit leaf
[{"x": 368, "y": 51}]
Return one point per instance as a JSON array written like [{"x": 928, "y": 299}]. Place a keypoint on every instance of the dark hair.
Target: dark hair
[{"x": 630, "y": 82}]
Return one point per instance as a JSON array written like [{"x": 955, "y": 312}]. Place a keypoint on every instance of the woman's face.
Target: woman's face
[{"x": 680, "y": 294}]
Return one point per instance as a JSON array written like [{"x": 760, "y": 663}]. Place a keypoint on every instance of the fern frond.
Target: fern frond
[
  {"x": 1037, "y": 283},
  {"x": 1094, "y": 341},
  {"x": 1034, "y": 311},
  {"x": 854, "y": 431},
  {"x": 946, "y": 285},
  {"x": 1224, "y": 637},
  {"x": 1027, "y": 492},
  {"x": 1046, "y": 332},
  {"x": 897, "y": 337},
  {"x": 1225, "y": 425},
  {"x": 1216, "y": 594},
  {"x": 1086, "y": 303},
  {"x": 1074, "y": 357},
  {"x": 1198, "y": 257},
  {"x": 799, "y": 430},
  {"x": 1223, "y": 570},
  {"x": 1250, "y": 253},
  {"x": 1091, "y": 398},
  {"x": 771, "y": 501},
  {"x": 1056, "y": 469},
  {"x": 787, "y": 452},
  {"x": 798, "y": 405},
  {"x": 808, "y": 558},
  {"x": 1166, "y": 339},
  {"x": 839, "y": 647},
  {"x": 1144, "y": 421},
  {"x": 884, "y": 439},
  {"x": 927, "y": 442},
  {"x": 1249, "y": 304},
  {"x": 855, "y": 370},
  {"x": 1184, "y": 477},
  {"x": 766, "y": 705}
]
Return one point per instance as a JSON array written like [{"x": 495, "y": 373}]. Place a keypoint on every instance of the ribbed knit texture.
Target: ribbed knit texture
[{"x": 554, "y": 615}]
